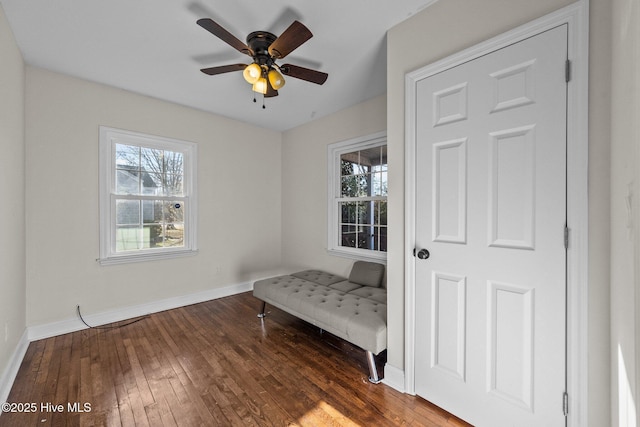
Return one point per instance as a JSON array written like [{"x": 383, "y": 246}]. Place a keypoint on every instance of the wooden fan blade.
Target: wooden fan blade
[
  {"x": 224, "y": 35},
  {"x": 303, "y": 73},
  {"x": 289, "y": 40},
  {"x": 224, "y": 69}
]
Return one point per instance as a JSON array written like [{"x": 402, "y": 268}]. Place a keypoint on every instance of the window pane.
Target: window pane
[
  {"x": 348, "y": 163},
  {"x": 127, "y": 212},
  {"x": 348, "y": 236},
  {"x": 379, "y": 185},
  {"x": 365, "y": 237},
  {"x": 349, "y": 186},
  {"x": 153, "y": 236},
  {"x": 174, "y": 234},
  {"x": 381, "y": 212},
  {"x": 150, "y": 183},
  {"x": 370, "y": 157},
  {"x": 127, "y": 169},
  {"x": 173, "y": 163},
  {"x": 364, "y": 185},
  {"x": 174, "y": 212},
  {"x": 380, "y": 239},
  {"x": 152, "y": 160},
  {"x": 127, "y": 225},
  {"x": 356, "y": 185},
  {"x": 365, "y": 212},
  {"x": 128, "y": 238},
  {"x": 127, "y": 157},
  {"x": 348, "y": 212},
  {"x": 355, "y": 177},
  {"x": 152, "y": 211},
  {"x": 172, "y": 184},
  {"x": 363, "y": 241},
  {"x": 127, "y": 181}
]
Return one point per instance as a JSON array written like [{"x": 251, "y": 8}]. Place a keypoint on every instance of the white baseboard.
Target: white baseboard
[
  {"x": 9, "y": 374},
  {"x": 394, "y": 377},
  {"x": 75, "y": 324}
]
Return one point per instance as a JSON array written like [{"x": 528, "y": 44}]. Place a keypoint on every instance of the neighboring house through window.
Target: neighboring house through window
[
  {"x": 358, "y": 198},
  {"x": 147, "y": 197}
]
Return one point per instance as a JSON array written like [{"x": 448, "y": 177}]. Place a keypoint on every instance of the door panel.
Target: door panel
[
  {"x": 450, "y": 191},
  {"x": 491, "y": 209},
  {"x": 449, "y": 320}
]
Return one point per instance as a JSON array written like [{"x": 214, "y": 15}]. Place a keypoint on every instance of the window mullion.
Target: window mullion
[
  {"x": 146, "y": 197},
  {"x": 361, "y": 199},
  {"x": 140, "y": 225}
]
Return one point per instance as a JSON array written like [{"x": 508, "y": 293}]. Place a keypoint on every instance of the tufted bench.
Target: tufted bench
[{"x": 354, "y": 309}]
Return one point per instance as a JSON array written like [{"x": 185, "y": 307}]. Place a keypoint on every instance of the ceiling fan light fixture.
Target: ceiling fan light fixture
[
  {"x": 260, "y": 86},
  {"x": 252, "y": 73},
  {"x": 275, "y": 78}
]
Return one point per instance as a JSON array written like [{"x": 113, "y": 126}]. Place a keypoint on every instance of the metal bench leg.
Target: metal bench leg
[
  {"x": 373, "y": 370},
  {"x": 261, "y": 314}
]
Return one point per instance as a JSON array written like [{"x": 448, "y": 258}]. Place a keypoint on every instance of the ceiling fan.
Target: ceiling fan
[{"x": 264, "y": 48}]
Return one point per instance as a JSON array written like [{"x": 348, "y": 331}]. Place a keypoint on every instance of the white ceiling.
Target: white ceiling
[{"x": 155, "y": 48}]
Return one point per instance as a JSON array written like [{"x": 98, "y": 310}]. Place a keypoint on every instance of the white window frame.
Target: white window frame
[
  {"x": 109, "y": 137},
  {"x": 335, "y": 150}
]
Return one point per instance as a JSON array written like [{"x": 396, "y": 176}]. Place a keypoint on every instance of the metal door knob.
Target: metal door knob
[{"x": 423, "y": 254}]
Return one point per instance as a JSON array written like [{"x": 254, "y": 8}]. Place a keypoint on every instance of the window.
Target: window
[
  {"x": 147, "y": 197},
  {"x": 358, "y": 198}
]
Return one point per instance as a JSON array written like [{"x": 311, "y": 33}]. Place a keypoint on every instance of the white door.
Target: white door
[{"x": 491, "y": 211}]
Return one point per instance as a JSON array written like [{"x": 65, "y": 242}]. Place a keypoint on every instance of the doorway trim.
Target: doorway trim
[{"x": 577, "y": 18}]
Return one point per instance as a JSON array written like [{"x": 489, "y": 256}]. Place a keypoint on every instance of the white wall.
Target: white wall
[
  {"x": 12, "y": 210},
  {"x": 447, "y": 27},
  {"x": 239, "y": 199},
  {"x": 625, "y": 224},
  {"x": 304, "y": 183}
]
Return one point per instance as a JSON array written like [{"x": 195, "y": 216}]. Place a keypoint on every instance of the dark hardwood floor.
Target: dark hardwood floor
[{"x": 208, "y": 364}]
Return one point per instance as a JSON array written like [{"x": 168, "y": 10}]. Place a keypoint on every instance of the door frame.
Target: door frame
[{"x": 576, "y": 16}]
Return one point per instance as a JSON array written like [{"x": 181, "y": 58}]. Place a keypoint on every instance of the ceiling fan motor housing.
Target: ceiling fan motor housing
[{"x": 259, "y": 42}]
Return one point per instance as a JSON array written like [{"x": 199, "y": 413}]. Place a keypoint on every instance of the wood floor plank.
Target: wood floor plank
[{"x": 210, "y": 364}]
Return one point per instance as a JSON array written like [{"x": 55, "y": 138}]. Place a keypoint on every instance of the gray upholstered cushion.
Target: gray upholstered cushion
[
  {"x": 345, "y": 286},
  {"x": 319, "y": 277},
  {"x": 367, "y": 273},
  {"x": 374, "y": 294}
]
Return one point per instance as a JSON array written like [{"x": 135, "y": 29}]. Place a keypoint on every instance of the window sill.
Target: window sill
[
  {"x": 126, "y": 259},
  {"x": 360, "y": 255}
]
